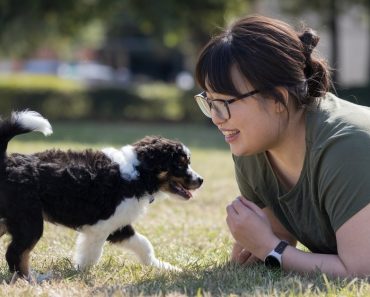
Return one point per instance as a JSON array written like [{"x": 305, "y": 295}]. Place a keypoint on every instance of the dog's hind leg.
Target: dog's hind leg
[
  {"x": 140, "y": 245},
  {"x": 25, "y": 232},
  {"x": 89, "y": 247}
]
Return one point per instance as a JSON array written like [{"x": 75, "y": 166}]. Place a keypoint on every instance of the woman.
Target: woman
[{"x": 302, "y": 155}]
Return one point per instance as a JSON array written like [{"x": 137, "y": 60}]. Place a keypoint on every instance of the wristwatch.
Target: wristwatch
[{"x": 273, "y": 259}]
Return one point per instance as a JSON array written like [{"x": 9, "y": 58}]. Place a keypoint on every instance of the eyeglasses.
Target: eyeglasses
[{"x": 221, "y": 107}]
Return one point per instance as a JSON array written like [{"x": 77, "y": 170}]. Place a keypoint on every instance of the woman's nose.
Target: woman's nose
[{"x": 216, "y": 118}]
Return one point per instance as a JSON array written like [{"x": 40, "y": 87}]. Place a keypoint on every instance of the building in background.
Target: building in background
[{"x": 353, "y": 64}]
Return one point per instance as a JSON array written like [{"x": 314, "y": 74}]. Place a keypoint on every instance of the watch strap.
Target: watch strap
[{"x": 281, "y": 247}]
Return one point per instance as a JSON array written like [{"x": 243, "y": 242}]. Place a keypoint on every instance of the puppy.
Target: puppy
[{"x": 97, "y": 193}]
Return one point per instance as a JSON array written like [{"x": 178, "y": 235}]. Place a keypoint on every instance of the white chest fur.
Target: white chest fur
[{"x": 126, "y": 213}]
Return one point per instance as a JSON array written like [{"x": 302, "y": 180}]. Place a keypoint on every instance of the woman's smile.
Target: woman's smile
[{"x": 230, "y": 135}]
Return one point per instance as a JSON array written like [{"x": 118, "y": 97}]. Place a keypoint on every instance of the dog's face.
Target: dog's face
[{"x": 170, "y": 162}]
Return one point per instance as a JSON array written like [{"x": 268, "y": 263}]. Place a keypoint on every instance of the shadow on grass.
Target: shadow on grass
[
  {"x": 230, "y": 280},
  {"x": 224, "y": 280},
  {"x": 60, "y": 270}
]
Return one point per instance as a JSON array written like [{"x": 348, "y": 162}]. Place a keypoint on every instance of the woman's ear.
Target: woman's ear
[{"x": 284, "y": 95}]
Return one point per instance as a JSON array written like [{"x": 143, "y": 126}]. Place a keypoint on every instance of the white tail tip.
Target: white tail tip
[{"x": 33, "y": 121}]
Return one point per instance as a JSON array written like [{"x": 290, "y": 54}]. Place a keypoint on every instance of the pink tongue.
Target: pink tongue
[{"x": 189, "y": 193}]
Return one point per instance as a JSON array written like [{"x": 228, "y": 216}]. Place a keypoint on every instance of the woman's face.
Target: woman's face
[{"x": 254, "y": 125}]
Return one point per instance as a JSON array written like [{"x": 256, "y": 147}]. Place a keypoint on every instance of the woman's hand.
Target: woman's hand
[
  {"x": 250, "y": 228},
  {"x": 241, "y": 256}
]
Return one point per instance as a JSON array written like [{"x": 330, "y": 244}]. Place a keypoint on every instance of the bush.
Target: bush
[{"x": 60, "y": 100}]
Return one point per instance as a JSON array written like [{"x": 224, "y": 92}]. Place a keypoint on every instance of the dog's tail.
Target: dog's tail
[{"x": 20, "y": 123}]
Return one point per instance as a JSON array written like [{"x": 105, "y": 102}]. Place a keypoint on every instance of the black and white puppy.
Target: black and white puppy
[{"x": 98, "y": 193}]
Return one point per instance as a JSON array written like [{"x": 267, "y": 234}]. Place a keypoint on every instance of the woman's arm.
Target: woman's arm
[
  {"x": 353, "y": 242},
  {"x": 242, "y": 256}
]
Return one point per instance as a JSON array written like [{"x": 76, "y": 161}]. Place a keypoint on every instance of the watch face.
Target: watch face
[{"x": 272, "y": 262}]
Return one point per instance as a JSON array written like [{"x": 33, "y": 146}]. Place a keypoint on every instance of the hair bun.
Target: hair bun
[
  {"x": 309, "y": 40},
  {"x": 316, "y": 70}
]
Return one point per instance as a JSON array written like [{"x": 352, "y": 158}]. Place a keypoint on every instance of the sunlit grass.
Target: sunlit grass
[{"x": 191, "y": 235}]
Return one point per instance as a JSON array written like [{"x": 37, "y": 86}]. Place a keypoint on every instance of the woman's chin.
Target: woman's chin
[{"x": 237, "y": 151}]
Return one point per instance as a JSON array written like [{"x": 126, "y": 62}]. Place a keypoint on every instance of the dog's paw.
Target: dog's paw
[
  {"x": 17, "y": 277},
  {"x": 14, "y": 278}
]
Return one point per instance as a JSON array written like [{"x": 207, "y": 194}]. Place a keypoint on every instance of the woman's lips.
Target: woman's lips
[{"x": 230, "y": 135}]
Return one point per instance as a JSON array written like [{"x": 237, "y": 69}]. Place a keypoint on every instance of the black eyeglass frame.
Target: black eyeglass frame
[{"x": 203, "y": 96}]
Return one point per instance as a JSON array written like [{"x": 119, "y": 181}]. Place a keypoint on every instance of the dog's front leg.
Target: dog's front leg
[
  {"x": 89, "y": 247},
  {"x": 140, "y": 245}
]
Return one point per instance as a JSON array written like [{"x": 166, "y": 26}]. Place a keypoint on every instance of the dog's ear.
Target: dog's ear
[
  {"x": 156, "y": 153},
  {"x": 156, "y": 160}
]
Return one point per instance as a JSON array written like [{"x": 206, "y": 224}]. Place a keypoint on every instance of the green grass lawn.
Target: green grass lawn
[{"x": 192, "y": 235}]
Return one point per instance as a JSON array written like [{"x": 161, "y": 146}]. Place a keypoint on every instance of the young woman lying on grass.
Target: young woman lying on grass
[{"x": 302, "y": 155}]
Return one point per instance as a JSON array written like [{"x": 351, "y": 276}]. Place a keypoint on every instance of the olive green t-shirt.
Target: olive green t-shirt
[{"x": 335, "y": 180}]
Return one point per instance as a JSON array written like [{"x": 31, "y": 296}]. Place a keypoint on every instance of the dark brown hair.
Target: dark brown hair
[{"x": 269, "y": 53}]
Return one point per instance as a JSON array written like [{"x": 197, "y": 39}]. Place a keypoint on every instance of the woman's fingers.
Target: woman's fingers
[
  {"x": 251, "y": 260},
  {"x": 239, "y": 206},
  {"x": 251, "y": 206},
  {"x": 244, "y": 255},
  {"x": 240, "y": 256},
  {"x": 231, "y": 210}
]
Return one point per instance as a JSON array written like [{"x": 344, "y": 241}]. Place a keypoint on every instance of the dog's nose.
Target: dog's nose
[{"x": 200, "y": 181}]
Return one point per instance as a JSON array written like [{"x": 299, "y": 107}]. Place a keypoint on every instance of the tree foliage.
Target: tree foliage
[
  {"x": 193, "y": 18},
  {"x": 24, "y": 24}
]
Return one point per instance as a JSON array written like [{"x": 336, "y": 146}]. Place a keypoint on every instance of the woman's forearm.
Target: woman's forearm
[{"x": 300, "y": 261}]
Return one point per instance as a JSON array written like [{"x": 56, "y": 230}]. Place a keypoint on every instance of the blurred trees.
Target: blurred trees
[
  {"x": 175, "y": 21},
  {"x": 182, "y": 25},
  {"x": 24, "y": 24}
]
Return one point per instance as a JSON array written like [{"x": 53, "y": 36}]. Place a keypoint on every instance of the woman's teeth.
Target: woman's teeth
[{"x": 229, "y": 133}]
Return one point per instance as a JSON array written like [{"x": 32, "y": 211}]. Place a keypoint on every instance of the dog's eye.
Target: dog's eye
[{"x": 183, "y": 160}]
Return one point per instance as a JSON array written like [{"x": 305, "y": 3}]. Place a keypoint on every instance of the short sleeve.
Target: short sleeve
[
  {"x": 245, "y": 188},
  {"x": 344, "y": 181}
]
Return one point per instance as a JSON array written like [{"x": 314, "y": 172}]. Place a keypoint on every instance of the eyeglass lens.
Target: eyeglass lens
[{"x": 219, "y": 107}]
